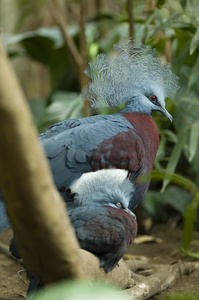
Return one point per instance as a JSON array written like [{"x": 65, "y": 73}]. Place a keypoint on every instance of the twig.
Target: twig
[
  {"x": 83, "y": 43},
  {"x": 71, "y": 48},
  {"x": 83, "y": 47},
  {"x": 21, "y": 278},
  {"x": 161, "y": 280},
  {"x": 78, "y": 60},
  {"x": 131, "y": 18},
  {"x": 73, "y": 9}
]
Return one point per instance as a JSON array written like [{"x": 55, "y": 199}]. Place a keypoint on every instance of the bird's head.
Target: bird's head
[
  {"x": 121, "y": 205},
  {"x": 134, "y": 76},
  {"x": 106, "y": 187},
  {"x": 148, "y": 101}
]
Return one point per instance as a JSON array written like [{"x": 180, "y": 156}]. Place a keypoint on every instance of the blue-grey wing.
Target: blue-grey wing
[{"x": 69, "y": 145}]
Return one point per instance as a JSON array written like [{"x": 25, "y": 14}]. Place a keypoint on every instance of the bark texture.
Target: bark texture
[{"x": 43, "y": 232}]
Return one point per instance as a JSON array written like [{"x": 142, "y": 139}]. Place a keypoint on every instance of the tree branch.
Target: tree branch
[
  {"x": 78, "y": 60},
  {"x": 83, "y": 47},
  {"x": 43, "y": 231},
  {"x": 131, "y": 18},
  {"x": 71, "y": 48}
]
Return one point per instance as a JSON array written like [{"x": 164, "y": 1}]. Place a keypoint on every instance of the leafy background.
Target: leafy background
[{"x": 38, "y": 52}]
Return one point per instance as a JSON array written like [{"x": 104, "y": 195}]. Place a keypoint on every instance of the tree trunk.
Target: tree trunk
[{"x": 44, "y": 235}]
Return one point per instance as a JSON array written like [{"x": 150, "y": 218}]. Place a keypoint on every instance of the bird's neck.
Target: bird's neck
[
  {"x": 136, "y": 106},
  {"x": 148, "y": 132}
]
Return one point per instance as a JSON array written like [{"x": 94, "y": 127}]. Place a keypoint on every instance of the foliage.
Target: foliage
[
  {"x": 46, "y": 46},
  {"x": 83, "y": 290},
  {"x": 74, "y": 290},
  {"x": 173, "y": 29},
  {"x": 64, "y": 106}
]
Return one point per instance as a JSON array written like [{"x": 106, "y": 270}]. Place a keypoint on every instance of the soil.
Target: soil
[{"x": 163, "y": 251}]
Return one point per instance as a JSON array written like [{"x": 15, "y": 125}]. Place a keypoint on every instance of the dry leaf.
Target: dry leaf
[{"x": 147, "y": 239}]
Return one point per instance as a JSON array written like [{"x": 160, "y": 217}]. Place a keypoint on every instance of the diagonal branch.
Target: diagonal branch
[
  {"x": 131, "y": 18},
  {"x": 29, "y": 192},
  {"x": 78, "y": 60},
  {"x": 83, "y": 47},
  {"x": 71, "y": 48}
]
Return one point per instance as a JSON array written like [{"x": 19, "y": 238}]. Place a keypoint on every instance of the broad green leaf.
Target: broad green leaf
[
  {"x": 179, "y": 60},
  {"x": 174, "y": 178},
  {"x": 11, "y": 39},
  {"x": 194, "y": 134},
  {"x": 154, "y": 202},
  {"x": 53, "y": 34},
  {"x": 194, "y": 163},
  {"x": 195, "y": 42},
  {"x": 194, "y": 74},
  {"x": 64, "y": 106},
  {"x": 177, "y": 198},
  {"x": 73, "y": 290},
  {"x": 177, "y": 150},
  {"x": 185, "y": 183},
  {"x": 187, "y": 111}
]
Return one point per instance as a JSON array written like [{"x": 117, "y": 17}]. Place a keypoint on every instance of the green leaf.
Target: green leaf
[
  {"x": 51, "y": 34},
  {"x": 194, "y": 74},
  {"x": 188, "y": 226},
  {"x": 64, "y": 106},
  {"x": 174, "y": 158},
  {"x": 73, "y": 290},
  {"x": 191, "y": 254},
  {"x": 174, "y": 178},
  {"x": 177, "y": 198},
  {"x": 194, "y": 134},
  {"x": 195, "y": 42},
  {"x": 194, "y": 163},
  {"x": 179, "y": 60},
  {"x": 154, "y": 202},
  {"x": 45, "y": 45}
]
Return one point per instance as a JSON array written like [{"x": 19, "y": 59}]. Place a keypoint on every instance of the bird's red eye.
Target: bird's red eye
[
  {"x": 119, "y": 205},
  {"x": 153, "y": 98}
]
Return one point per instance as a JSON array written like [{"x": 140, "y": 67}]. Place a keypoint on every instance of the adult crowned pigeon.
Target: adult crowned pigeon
[
  {"x": 102, "y": 221},
  {"x": 131, "y": 76}
]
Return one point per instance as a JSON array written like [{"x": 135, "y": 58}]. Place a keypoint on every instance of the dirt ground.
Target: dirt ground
[{"x": 165, "y": 252}]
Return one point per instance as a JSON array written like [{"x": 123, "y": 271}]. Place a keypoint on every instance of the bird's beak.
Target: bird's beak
[
  {"x": 125, "y": 209},
  {"x": 165, "y": 113},
  {"x": 130, "y": 212}
]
